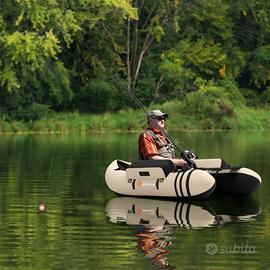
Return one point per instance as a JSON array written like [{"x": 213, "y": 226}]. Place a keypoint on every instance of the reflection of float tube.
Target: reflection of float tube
[
  {"x": 139, "y": 211},
  {"x": 231, "y": 218},
  {"x": 136, "y": 211}
]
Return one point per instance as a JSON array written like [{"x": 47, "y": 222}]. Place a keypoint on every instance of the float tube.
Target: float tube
[
  {"x": 159, "y": 178},
  {"x": 233, "y": 180}
]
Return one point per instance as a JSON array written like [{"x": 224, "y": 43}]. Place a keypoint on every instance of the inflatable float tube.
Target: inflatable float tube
[{"x": 158, "y": 178}]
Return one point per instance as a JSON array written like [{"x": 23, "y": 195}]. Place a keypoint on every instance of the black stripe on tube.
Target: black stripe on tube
[
  {"x": 180, "y": 184},
  {"x": 187, "y": 215},
  {"x": 187, "y": 182},
  {"x": 175, "y": 185},
  {"x": 180, "y": 213},
  {"x": 175, "y": 213}
]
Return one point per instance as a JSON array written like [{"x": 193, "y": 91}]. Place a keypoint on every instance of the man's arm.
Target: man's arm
[{"x": 176, "y": 161}]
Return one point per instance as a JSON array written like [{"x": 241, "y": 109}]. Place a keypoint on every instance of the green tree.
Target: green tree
[
  {"x": 163, "y": 49},
  {"x": 154, "y": 19},
  {"x": 35, "y": 36}
]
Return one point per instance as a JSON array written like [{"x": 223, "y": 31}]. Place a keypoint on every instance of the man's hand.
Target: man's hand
[{"x": 179, "y": 162}]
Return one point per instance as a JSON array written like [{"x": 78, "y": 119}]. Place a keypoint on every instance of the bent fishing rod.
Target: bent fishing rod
[{"x": 188, "y": 156}]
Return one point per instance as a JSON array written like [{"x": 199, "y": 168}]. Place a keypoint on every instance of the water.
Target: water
[{"x": 86, "y": 226}]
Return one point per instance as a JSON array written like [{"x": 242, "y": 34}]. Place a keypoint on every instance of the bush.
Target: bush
[
  {"x": 18, "y": 126},
  {"x": 98, "y": 96},
  {"x": 232, "y": 92},
  {"x": 251, "y": 97},
  {"x": 265, "y": 97},
  {"x": 36, "y": 111},
  {"x": 20, "y": 106},
  {"x": 209, "y": 101},
  {"x": 5, "y": 126}
]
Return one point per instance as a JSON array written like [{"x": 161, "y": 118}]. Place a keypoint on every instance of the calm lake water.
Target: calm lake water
[{"x": 86, "y": 226}]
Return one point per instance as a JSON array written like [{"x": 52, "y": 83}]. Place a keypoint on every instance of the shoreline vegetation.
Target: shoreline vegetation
[
  {"x": 206, "y": 63},
  {"x": 128, "y": 120}
]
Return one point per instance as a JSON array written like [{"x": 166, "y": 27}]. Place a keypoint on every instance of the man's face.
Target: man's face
[{"x": 157, "y": 122}]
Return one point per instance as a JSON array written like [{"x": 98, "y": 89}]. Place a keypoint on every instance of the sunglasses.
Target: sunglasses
[{"x": 160, "y": 118}]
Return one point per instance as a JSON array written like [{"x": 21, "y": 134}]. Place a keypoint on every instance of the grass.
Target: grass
[{"x": 135, "y": 120}]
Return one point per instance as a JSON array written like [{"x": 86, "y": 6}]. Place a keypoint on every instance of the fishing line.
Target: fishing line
[{"x": 42, "y": 206}]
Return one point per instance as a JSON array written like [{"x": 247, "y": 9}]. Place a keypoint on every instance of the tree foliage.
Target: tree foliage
[{"x": 163, "y": 49}]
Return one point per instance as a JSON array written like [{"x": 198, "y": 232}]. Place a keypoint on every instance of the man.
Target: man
[{"x": 153, "y": 144}]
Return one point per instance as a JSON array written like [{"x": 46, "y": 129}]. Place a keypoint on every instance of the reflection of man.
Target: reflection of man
[
  {"x": 153, "y": 242},
  {"x": 153, "y": 144}
]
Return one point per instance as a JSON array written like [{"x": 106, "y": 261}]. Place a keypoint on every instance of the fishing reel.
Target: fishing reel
[
  {"x": 190, "y": 154},
  {"x": 189, "y": 157}
]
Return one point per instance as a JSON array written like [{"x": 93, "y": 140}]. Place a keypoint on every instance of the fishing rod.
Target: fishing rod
[{"x": 187, "y": 155}]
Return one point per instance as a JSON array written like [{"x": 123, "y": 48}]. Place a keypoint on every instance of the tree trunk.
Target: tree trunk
[{"x": 136, "y": 45}]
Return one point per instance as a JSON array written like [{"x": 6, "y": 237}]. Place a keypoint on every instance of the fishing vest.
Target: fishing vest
[{"x": 164, "y": 149}]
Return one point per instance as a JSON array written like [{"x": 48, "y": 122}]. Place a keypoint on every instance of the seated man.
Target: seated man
[{"x": 153, "y": 144}]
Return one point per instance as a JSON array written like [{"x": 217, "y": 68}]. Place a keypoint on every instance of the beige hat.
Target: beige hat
[{"x": 156, "y": 113}]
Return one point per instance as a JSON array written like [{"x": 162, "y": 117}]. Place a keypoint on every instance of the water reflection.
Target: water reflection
[
  {"x": 153, "y": 241},
  {"x": 154, "y": 221},
  {"x": 150, "y": 212},
  {"x": 74, "y": 233}
]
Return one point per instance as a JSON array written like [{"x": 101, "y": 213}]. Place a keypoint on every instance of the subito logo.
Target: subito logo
[{"x": 211, "y": 249}]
